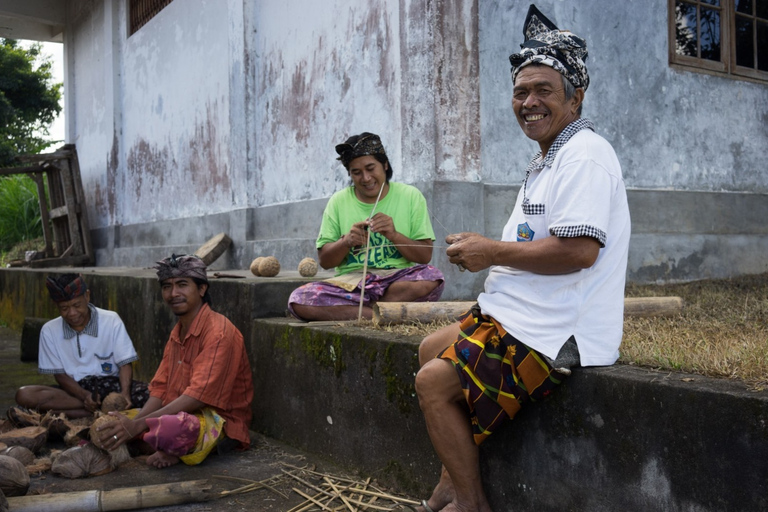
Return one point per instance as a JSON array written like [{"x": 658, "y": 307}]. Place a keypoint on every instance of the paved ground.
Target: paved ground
[{"x": 268, "y": 459}]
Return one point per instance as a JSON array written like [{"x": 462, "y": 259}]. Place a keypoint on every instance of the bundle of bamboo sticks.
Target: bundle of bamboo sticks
[{"x": 325, "y": 492}]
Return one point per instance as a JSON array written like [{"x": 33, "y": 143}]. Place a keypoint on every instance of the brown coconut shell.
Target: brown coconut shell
[
  {"x": 94, "y": 435},
  {"x": 14, "y": 479},
  {"x": 308, "y": 267},
  {"x": 32, "y": 438},
  {"x": 114, "y": 402},
  {"x": 21, "y": 454},
  {"x": 255, "y": 266},
  {"x": 269, "y": 267},
  {"x": 81, "y": 461},
  {"x": 6, "y": 425},
  {"x": 21, "y": 417},
  {"x": 71, "y": 431}
]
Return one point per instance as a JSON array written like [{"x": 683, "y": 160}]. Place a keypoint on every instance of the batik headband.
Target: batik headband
[
  {"x": 59, "y": 293},
  {"x": 367, "y": 144},
  {"x": 558, "y": 49},
  {"x": 181, "y": 265}
]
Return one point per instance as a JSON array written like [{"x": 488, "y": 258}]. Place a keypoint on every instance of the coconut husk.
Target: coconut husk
[
  {"x": 82, "y": 461},
  {"x": 40, "y": 465},
  {"x": 20, "y": 453},
  {"x": 70, "y": 431},
  {"x": 32, "y": 438},
  {"x": 14, "y": 479},
  {"x": 6, "y": 425},
  {"x": 114, "y": 402},
  {"x": 308, "y": 267},
  {"x": 22, "y": 417},
  {"x": 269, "y": 267},
  {"x": 255, "y": 265}
]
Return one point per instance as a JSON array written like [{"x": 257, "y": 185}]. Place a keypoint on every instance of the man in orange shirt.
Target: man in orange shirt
[{"x": 201, "y": 394}]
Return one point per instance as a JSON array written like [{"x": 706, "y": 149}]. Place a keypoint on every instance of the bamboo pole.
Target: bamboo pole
[
  {"x": 129, "y": 498},
  {"x": 426, "y": 312}
]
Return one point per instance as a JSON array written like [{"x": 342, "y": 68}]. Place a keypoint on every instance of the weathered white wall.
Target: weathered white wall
[
  {"x": 222, "y": 115},
  {"x": 671, "y": 129}
]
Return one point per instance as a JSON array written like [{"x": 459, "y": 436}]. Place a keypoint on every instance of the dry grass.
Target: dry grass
[{"x": 721, "y": 332}]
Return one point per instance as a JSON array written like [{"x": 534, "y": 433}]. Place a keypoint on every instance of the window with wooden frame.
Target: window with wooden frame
[
  {"x": 141, "y": 11},
  {"x": 724, "y": 37}
]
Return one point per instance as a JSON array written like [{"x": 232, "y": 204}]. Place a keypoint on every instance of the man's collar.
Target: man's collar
[
  {"x": 92, "y": 328},
  {"x": 195, "y": 327},
  {"x": 537, "y": 163}
]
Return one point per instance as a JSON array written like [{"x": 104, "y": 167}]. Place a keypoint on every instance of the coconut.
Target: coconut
[
  {"x": 114, "y": 402},
  {"x": 71, "y": 431},
  {"x": 308, "y": 267},
  {"x": 14, "y": 479},
  {"x": 94, "y": 434},
  {"x": 80, "y": 461},
  {"x": 19, "y": 453},
  {"x": 32, "y": 438},
  {"x": 118, "y": 455},
  {"x": 255, "y": 266},
  {"x": 269, "y": 267},
  {"x": 22, "y": 417}
]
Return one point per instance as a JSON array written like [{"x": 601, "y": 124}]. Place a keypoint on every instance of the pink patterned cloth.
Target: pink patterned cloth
[{"x": 173, "y": 434}]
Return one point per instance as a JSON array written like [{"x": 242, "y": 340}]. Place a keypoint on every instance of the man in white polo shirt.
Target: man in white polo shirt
[
  {"x": 87, "y": 350},
  {"x": 554, "y": 296}
]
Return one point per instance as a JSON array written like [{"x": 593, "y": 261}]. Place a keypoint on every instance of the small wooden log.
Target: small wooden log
[
  {"x": 652, "y": 306},
  {"x": 213, "y": 248},
  {"x": 128, "y": 498},
  {"x": 426, "y": 312}
]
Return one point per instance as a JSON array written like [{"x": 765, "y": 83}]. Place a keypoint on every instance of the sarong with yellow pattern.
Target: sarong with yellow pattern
[{"x": 498, "y": 373}]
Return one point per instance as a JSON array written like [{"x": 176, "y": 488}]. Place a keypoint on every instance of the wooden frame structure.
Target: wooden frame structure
[{"x": 65, "y": 220}]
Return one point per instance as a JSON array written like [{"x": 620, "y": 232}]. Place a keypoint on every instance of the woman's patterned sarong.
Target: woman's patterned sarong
[
  {"x": 498, "y": 373},
  {"x": 191, "y": 437}
]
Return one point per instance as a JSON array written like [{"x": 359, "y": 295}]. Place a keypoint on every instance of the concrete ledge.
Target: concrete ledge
[{"x": 614, "y": 438}]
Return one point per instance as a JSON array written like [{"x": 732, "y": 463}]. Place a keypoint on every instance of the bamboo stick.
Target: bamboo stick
[
  {"x": 328, "y": 480},
  {"x": 426, "y": 312},
  {"x": 128, "y": 498}
]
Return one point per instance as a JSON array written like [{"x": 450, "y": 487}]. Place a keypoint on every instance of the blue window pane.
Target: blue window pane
[
  {"x": 744, "y": 51},
  {"x": 744, "y": 6},
  {"x": 686, "y": 40},
  {"x": 711, "y": 2},
  {"x": 710, "y": 34}
]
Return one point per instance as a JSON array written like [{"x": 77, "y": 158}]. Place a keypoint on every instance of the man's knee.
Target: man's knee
[
  {"x": 28, "y": 396},
  {"x": 437, "y": 381}
]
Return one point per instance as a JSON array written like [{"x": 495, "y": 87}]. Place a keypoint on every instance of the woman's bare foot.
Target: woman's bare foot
[
  {"x": 162, "y": 460},
  {"x": 442, "y": 495}
]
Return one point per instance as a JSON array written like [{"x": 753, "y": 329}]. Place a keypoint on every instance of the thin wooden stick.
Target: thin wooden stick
[
  {"x": 351, "y": 509},
  {"x": 308, "y": 497}
]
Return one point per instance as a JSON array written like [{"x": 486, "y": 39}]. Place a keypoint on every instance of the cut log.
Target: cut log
[
  {"x": 426, "y": 312},
  {"x": 128, "y": 498},
  {"x": 652, "y": 306},
  {"x": 213, "y": 248}
]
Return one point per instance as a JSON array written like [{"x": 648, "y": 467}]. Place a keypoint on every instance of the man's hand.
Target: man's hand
[
  {"x": 383, "y": 224},
  {"x": 127, "y": 397},
  {"x": 113, "y": 434},
  {"x": 90, "y": 403},
  {"x": 471, "y": 251}
]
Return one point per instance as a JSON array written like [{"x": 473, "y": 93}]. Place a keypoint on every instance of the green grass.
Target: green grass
[{"x": 19, "y": 211}]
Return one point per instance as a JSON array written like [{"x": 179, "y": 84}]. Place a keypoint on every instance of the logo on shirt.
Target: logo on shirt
[
  {"x": 524, "y": 233},
  {"x": 106, "y": 367}
]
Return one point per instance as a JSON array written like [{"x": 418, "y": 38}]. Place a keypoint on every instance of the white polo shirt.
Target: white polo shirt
[
  {"x": 99, "y": 350},
  {"x": 581, "y": 193}
]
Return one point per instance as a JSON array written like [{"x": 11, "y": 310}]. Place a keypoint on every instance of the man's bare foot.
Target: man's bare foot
[
  {"x": 442, "y": 495},
  {"x": 162, "y": 460}
]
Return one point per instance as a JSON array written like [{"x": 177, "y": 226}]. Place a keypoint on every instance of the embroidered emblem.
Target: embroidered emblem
[
  {"x": 524, "y": 233},
  {"x": 106, "y": 367}
]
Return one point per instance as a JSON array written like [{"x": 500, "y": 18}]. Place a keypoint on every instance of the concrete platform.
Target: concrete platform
[{"x": 615, "y": 438}]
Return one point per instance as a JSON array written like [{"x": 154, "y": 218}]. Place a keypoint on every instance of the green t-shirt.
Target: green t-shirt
[{"x": 404, "y": 203}]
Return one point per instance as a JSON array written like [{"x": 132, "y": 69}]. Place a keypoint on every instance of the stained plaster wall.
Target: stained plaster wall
[{"x": 222, "y": 116}]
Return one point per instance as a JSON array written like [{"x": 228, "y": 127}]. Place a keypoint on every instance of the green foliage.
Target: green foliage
[
  {"x": 29, "y": 101},
  {"x": 19, "y": 211}
]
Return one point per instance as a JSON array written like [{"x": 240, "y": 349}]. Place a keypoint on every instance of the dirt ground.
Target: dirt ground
[{"x": 267, "y": 461}]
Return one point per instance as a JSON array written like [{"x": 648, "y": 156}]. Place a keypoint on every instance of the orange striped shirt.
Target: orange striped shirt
[{"x": 209, "y": 365}]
